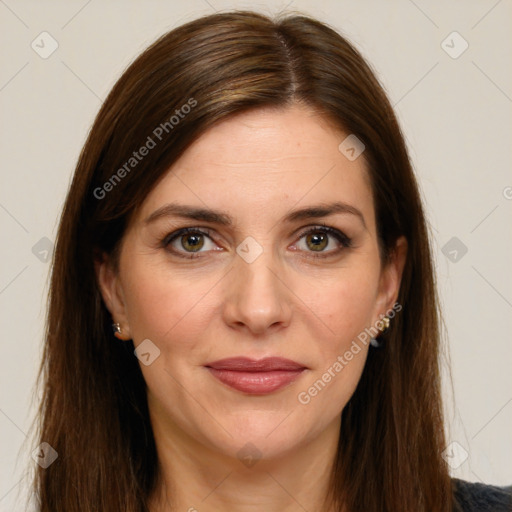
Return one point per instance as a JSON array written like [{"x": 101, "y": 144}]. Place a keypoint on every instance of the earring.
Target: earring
[
  {"x": 117, "y": 330},
  {"x": 382, "y": 325}
]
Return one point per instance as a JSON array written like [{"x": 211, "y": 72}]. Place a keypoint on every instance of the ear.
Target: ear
[
  {"x": 112, "y": 293},
  {"x": 390, "y": 279}
]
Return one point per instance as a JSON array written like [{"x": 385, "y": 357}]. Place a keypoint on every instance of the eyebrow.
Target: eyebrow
[{"x": 221, "y": 218}]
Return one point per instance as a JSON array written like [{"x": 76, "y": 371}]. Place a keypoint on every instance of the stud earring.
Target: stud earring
[
  {"x": 117, "y": 330},
  {"x": 384, "y": 324}
]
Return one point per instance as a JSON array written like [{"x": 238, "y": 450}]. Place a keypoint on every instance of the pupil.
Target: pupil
[
  {"x": 318, "y": 241},
  {"x": 193, "y": 242}
]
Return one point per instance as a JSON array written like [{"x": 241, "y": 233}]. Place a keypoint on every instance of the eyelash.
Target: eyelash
[{"x": 343, "y": 239}]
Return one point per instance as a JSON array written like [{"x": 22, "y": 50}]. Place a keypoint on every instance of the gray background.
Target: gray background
[{"x": 455, "y": 113}]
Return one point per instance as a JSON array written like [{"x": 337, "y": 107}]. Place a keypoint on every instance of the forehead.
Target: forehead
[{"x": 268, "y": 161}]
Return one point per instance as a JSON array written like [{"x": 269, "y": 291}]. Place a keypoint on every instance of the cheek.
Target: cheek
[
  {"x": 344, "y": 301},
  {"x": 161, "y": 305},
  {"x": 350, "y": 310},
  {"x": 344, "y": 307}
]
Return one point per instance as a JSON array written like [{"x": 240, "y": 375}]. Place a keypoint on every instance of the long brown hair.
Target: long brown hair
[{"x": 94, "y": 411}]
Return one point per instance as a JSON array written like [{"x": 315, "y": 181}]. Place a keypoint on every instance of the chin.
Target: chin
[
  {"x": 256, "y": 446},
  {"x": 258, "y": 434}
]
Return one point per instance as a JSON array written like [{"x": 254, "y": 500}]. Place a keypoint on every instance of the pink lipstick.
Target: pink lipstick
[{"x": 256, "y": 377}]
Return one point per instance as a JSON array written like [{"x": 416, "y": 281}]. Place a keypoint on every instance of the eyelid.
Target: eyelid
[
  {"x": 182, "y": 231},
  {"x": 168, "y": 239},
  {"x": 336, "y": 233},
  {"x": 344, "y": 241}
]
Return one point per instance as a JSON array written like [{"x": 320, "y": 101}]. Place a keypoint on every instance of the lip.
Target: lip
[{"x": 256, "y": 376}]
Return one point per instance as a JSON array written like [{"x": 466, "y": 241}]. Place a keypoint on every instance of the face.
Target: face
[{"x": 283, "y": 261}]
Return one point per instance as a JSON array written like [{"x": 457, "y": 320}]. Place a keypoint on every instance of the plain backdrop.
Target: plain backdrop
[{"x": 454, "y": 105}]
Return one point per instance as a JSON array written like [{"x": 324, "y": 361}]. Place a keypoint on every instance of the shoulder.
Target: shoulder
[{"x": 476, "y": 497}]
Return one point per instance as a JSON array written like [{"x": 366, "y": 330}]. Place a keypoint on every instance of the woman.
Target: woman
[{"x": 243, "y": 312}]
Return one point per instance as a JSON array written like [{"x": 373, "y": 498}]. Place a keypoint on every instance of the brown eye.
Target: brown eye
[
  {"x": 189, "y": 242},
  {"x": 322, "y": 242},
  {"x": 317, "y": 241},
  {"x": 192, "y": 242}
]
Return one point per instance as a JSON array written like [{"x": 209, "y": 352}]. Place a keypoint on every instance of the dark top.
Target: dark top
[{"x": 474, "y": 497}]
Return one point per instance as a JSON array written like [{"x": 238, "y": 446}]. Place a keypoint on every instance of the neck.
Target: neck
[{"x": 196, "y": 478}]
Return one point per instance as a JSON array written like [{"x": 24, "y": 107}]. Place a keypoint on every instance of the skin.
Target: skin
[{"x": 256, "y": 167}]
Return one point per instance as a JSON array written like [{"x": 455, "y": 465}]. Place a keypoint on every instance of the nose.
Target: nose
[{"x": 257, "y": 298}]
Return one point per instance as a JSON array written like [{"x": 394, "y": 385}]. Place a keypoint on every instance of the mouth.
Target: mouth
[{"x": 257, "y": 377}]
